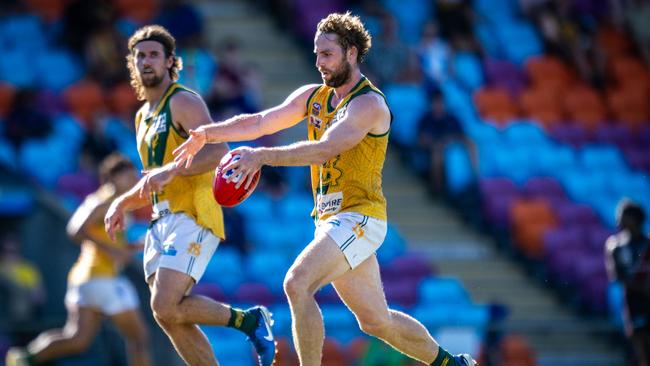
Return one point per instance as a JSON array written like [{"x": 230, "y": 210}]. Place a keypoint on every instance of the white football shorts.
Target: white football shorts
[
  {"x": 177, "y": 242},
  {"x": 110, "y": 295},
  {"x": 358, "y": 236}
]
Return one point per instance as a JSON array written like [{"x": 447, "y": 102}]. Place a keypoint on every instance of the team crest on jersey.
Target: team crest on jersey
[
  {"x": 315, "y": 108},
  {"x": 340, "y": 114},
  {"x": 160, "y": 123},
  {"x": 315, "y": 122}
]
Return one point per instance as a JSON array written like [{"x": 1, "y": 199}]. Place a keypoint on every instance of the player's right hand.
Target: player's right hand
[
  {"x": 114, "y": 219},
  {"x": 185, "y": 153}
]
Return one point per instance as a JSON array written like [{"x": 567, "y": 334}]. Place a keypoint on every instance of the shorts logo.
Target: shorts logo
[
  {"x": 358, "y": 231},
  {"x": 169, "y": 250},
  {"x": 194, "y": 249},
  {"x": 334, "y": 222}
]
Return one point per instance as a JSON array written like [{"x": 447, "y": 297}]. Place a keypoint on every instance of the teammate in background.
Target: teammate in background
[
  {"x": 187, "y": 224},
  {"x": 627, "y": 256},
  {"x": 348, "y": 125},
  {"x": 95, "y": 288}
]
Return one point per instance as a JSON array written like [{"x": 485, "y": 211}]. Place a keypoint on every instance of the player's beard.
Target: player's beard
[
  {"x": 340, "y": 76},
  {"x": 151, "y": 80}
]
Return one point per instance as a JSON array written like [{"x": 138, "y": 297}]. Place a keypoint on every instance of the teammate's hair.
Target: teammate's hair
[
  {"x": 152, "y": 33},
  {"x": 631, "y": 209},
  {"x": 112, "y": 165},
  {"x": 350, "y": 32}
]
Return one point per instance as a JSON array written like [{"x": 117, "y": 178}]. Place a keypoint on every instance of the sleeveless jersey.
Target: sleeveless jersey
[
  {"x": 157, "y": 137},
  {"x": 93, "y": 262},
  {"x": 350, "y": 181}
]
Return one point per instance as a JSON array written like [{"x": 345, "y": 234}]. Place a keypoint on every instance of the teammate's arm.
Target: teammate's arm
[
  {"x": 246, "y": 127},
  {"x": 365, "y": 114},
  {"x": 91, "y": 211}
]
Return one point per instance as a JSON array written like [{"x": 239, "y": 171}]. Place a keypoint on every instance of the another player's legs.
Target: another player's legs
[
  {"x": 361, "y": 290},
  {"x": 178, "y": 315},
  {"x": 74, "y": 338},
  {"x": 134, "y": 330},
  {"x": 320, "y": 263}
]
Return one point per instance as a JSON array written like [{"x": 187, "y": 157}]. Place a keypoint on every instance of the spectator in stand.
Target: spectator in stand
[
  {"x": 236, "y": 87},
  {"x": 390, "y": 54},
  {"x": 436, "y": 130},
  {"x": 104, "y": 54},
  {"x": 20, "y": 281},
  {"x": 627, "y": 257},
  {"x": 25, "y": 121},
  {"x": 637, "y": 15},
  {"x": 455, "y": 18},
  {"x": 434, "y": 54}
]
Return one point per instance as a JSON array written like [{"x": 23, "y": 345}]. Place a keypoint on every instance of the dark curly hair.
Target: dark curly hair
[
  {"x": 152, "y": 33},
  {"x": 350, "y": 32}
]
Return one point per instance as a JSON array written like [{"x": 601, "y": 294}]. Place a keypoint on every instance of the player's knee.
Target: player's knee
[
  {"x": 164, "y": 312},
  {"x": 295, "y": 285},
  {"x": 80, "y": 342},
  {"x": 377, "y": 325}
]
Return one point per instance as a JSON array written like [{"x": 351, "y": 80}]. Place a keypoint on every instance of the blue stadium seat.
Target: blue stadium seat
[
  {"x": 497, "y": 12},
  {"x": 68, "y": 69},
  {"x": 225, "y": 269},
  {"x": 441, "y": 291},
  {"x": 393, "y": 246},
  {"x": 458, "y": 166},
  {"x": 230, "y": 346},
  {"x": 525, "y": 133},
  {"x": 468, "y": 70},
  {"x": 411, "y": 16},
  {"x": 268, "y": 268},
  {"x": 601, "y": 158},
  {"x": 15, "y": 201},
  {"x": 7, "y": 154},
  {"x": 199, "y": 69},
  {"x": 615, "y": 301},
  {"x": 282, "y": 320},
  {"x": 22, "y": 32},
  {"x": 411, "y": 102},
  {"x": 519, "y": 40},
  {"x": 17, "y": 68},
  {"x": 340, "y": 323}
]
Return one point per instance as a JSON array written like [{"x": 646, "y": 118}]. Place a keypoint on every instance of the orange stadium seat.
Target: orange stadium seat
[
  {"x": 85, "y": 99},
  {"x": 7, "y": 94},
  {"x": 286, "y": 356},
  {"x": 585, "y": 106},
  {"x": 630, "y": 106},
  {"x": 542, "y": 105},
  {"x": 495, "y": 104},
  {"x": 548, "y": 72},
  {"x": 333, "y": 354},
  {"x": 142, "y": 11},
  {"x": 515, "y": 351},
  {"x": 529, "y": 220},
  {"x": 49, "y": 10},
  {"x": 612, "y": 42},
  {"x": 630, "y": 73},
  {"x": 121, "y": 100}
]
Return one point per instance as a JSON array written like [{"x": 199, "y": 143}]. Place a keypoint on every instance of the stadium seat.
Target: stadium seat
[
  {"x": 442, "y": 291},
  {"x": 459, "y": 173},
  {"x": 411, "y": 101},
  {"x": 85, "y": 99},
  {"x": 286, "y": 355},
  {"x": 495, "y": 104},
  {"x": 530, "y": 219},
  {"x": 519, "y": 41},
  {"x": 333, "y": 353},
  {"x": 68, "y": 70},
  {"x": 121, "y": 100},
  {"x": 613, "y": 42},
  {"x": 7, "y": 94},
  {"x": 504, "y": 74},
  {"x": 225, "y": 269},
  {"x": 585, "y": 106},
  {"x": 515, "y": 351},
  {"x": 542, "y": 105},
  {"x": 543, "y": 187},
  {"x": 255, "y": 293},
  {"x": 140, "y": 11},
  {"x": 268, "y": 268},
  {"x": 49, "y": 10},
  {"x": 629, "y": 106},
  {"x": 548, "y": 72},
  {"x": 411, "y": 16},
  {"x": 468, "y": 69},
  {"x": 628, "y": 70},
  {"x": 571, "y": 134}
]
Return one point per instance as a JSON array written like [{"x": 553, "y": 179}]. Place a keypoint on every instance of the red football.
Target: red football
[{"x": 224, "y": 192}]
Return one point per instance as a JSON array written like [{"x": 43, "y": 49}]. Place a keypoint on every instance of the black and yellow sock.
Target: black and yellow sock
[
  {"x": 242, "y": 320},
  {"x": 444, "y": 358}
]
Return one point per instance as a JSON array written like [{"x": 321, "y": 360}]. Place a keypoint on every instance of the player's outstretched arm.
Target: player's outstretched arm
[
  {"x": 246, "y": 127},
  {"x": 365, "y": 114}
]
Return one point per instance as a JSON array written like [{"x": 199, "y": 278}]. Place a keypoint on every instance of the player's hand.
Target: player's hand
[
  {"x": 184, "y": 154},
  {"x": 114, "y": 219},
  {"x": 155, "y": 180},
  {"x": 245, "y": 167}
]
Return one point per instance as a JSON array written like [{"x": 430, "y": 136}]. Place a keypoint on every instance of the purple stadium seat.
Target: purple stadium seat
[
  {"x": 401, "y": 291},
  {"x": 544, "y": 187},
  {"x": 594, "y": 293},
  {"x": 504, "y": 74},
  {"x": 569, "y": 214},
  {"x": 254, "y": 293},
  {"x": 210, "y": 290},
  {"x": 562, "y": 265},
  {"x": 616, "y": 134},
  {"x": 638, "y": 157},
  {"x": 596, "y": 237},
  {"x": 412, "y": 267},
  {"x": 563, "y": 238},
  {"x": 570, "y": 133},
  {"x": 498, "y": 194},
  {"x": 327, "y": 295}
]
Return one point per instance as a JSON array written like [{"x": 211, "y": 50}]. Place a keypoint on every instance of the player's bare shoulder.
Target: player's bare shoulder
[
  {"x": 373, "y": 108},
  {"x": 188, "y": 110}
]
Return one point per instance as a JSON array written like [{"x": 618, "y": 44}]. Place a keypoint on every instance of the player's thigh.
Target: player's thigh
[
  {"x": 83, "y": 322},
  {"x": 131, "y": 325},
  {"x": 320, "y": 263},
  {"x": 169, "y": 286},
  {"x": 362, "y": 292}
]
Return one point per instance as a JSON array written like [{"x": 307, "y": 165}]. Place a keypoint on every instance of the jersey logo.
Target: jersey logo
[
  {"x": 330, "y": 174},
  {"x": 330, "y": 203},
  {"x": 315, "y": 122},
  {"x": 315, "y": 108},
  {"x": 194, "y": 249}
]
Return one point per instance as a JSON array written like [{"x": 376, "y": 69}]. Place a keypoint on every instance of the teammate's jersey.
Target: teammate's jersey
[
  {"x": 350, "y": 181},
  {"x": 92, "y": 262},
  {"x": 157, "y": 137}
]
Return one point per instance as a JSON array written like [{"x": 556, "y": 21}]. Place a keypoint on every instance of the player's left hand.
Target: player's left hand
[
  {"x": 155, "y": 180},
  {"x": 248, "y": 163}
]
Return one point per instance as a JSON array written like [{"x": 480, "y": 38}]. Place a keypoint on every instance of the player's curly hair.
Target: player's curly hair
[
  {"x": 152, "y": 33},
  {"x": 350, "y": 31}
]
